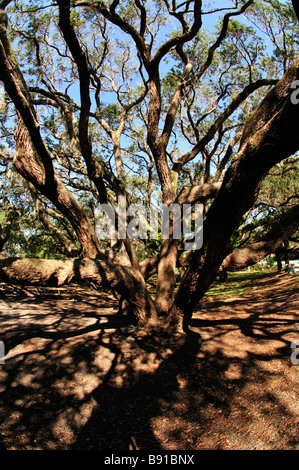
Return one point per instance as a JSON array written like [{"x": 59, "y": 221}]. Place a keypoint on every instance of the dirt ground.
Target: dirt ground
[{"x": 74, "y": 379}]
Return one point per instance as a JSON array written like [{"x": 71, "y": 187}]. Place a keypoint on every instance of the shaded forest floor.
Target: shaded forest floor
[{"x": 73, "y": 380}]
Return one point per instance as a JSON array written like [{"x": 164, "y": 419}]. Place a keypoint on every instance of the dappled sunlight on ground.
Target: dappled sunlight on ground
[{"x": 73, "y": 380}]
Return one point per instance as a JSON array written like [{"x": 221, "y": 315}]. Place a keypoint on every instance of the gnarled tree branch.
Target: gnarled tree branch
[{"x": 255, "y": 252}]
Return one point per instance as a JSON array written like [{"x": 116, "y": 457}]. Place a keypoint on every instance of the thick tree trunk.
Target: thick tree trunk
[
  {"x": 169, "y": 246},
  {"x": 124, "y": 280},
  {"x": 27, "y": 163},
  {"x": 166, "y": 276},
  {"x": 270, "y": 135}
]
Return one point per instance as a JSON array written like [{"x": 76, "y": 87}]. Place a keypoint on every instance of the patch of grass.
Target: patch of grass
[{"x": 237, "y": 283}]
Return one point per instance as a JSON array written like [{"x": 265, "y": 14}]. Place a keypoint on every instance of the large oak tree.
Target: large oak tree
[{"x": 139, "y": 100}]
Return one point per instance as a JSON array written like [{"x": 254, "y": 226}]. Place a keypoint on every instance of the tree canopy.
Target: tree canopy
[{"x": 157, "y": 104}]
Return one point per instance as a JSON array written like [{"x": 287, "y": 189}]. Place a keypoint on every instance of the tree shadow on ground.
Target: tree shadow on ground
[
  {"x": 123, "y": 418},
  {"x": 268, "y": 311},
  {"x": 191, "y": 401},
  {"x": 64, "y": 386}
]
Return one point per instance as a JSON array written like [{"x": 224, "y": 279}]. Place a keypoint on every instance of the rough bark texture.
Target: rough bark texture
[
  {"x": 198, "y": 193},
  {"x": 166, "y": 275},
  {"x": 124, "y": 280}
]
